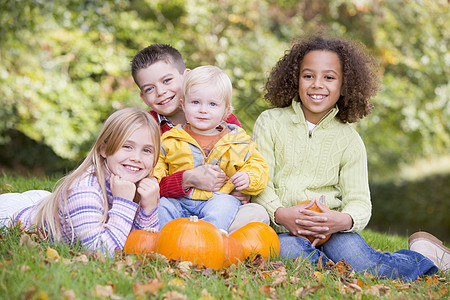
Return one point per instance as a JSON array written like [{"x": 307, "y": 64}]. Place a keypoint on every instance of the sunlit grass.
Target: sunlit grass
[{"x": 28, "y": 272}]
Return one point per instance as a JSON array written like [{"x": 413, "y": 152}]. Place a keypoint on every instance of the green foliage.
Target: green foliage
[
  {"x": 65, "y": 64},
  {"x": 409, "y": 206}
]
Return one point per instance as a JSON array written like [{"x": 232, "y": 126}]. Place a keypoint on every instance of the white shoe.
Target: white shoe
[{"x": 430, "y": 246}]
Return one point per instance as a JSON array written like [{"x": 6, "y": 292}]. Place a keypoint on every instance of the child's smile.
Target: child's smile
[
  {"x": 160, "y": 85},
  {"x": 319, "y": 84},
  {"x": 134, "y": 160}
]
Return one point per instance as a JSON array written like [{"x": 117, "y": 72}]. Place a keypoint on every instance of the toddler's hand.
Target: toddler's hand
[
  {"x": 206, "y": 177},
  {"x": 240, "y": 180},
  {"x": 148, "y": 189},
  {"x": 244, "y": 198},
  {"x": 122, "y": 188}
]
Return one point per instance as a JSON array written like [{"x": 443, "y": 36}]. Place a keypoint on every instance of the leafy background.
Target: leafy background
[{"x": 65, "y": 67}]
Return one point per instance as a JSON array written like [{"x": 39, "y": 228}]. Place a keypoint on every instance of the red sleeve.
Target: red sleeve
[
  {"x": 172, "y": 186},
  {"x": 232, "y": 119}
]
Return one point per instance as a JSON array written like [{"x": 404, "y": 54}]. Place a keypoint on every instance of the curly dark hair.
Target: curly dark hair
[{"x": 360, "y": 75}]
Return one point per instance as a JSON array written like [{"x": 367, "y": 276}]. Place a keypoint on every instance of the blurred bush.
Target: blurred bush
[
  {"x": 408, "y": 206},
  {"x": 65, "y": 64}
]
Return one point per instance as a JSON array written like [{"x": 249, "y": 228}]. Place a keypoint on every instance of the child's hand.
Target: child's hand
[
  {"x": 240, "y": 180},
  {"x": 332, "y": 221},
  {"x": 207, "y": 177},
  {"x": 148, "y": 189},
  {"x": 122, "y": 188},
  {"x": 244, "y": 198}
]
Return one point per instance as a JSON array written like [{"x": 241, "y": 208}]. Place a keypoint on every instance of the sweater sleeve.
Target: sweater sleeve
[
  {"x": 354, "y": 184},
  {"x": 257, "y": 169},
  {"x": 143, "y": 221},
  {"x": 263, "y": 136},
  {"x": 85, "y": 211},
  {"x": 172, "y": 186}
]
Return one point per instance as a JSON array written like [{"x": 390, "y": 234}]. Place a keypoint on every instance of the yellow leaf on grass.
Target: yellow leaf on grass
[
  {"x": 318, "y": 275},
  {"x": 52, "y": 253},
  {"x": 43, "y": 296},
  {"x": 176, "y": 282}
]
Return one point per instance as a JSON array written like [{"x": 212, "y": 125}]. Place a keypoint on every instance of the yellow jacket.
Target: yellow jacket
[{"x": 234, "y": 152}]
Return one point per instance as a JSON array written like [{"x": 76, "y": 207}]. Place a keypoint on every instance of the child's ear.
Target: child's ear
[
  {"x": 145, "y": 99},
  {"x": 227, "y": 113},
  {"x": 186, "y": 71},
  {"x": 102, "y": 150}
]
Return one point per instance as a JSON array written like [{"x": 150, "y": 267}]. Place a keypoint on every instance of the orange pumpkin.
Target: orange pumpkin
[
  {"x": 191, "y": 239},
  {"x": 141, "y": 241},
  {"x": 257, "y": 237},
  {"x": 234, "y": 252},
  {"x": 315, "y": 208}
]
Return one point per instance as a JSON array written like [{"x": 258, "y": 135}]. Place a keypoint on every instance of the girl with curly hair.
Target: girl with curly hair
[{"x": 317, "y": 88}]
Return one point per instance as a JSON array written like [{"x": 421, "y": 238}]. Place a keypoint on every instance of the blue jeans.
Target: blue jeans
[
  {"x": 353, "y": 249},
  {"x": 219, "y": 210}
]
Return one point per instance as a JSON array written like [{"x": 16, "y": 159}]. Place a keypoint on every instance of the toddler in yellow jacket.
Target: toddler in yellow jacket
[{"x": 206, "y": 139}]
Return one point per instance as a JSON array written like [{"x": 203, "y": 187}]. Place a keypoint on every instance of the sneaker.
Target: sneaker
[{"x": 430, "y": 246}]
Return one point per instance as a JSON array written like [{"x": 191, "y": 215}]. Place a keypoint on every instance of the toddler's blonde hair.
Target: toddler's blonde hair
[{"x": 210, "y": 75}]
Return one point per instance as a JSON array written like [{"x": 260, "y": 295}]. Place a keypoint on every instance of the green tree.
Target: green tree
[{"x": 65, "y": 64}]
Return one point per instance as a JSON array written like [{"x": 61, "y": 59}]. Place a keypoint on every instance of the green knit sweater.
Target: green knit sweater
[{"x": 331, "y": 161}]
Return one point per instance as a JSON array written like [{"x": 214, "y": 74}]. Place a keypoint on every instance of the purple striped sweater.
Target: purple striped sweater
[{"x": 85, "y": 208}]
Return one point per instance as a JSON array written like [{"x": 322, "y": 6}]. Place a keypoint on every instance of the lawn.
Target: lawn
[{"x": 30, "y": 268}]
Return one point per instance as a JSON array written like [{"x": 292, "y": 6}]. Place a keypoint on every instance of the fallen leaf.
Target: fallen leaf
[
  {"x": 176, "y": 282},
  {"x": 52, "y": 254},
  {"x": 82, "y": 258},
  {"x": 266, "y": 289},
  {"x": 174, "y": 295},
  {"x": 318, "y": 275},
  {"x": 68, "y": 295},
  {"x": 43, "y": 296},
  {"x": 25, "y": 240},
  {"x": 185, "y": 266},
  {"x": 24, "y": 268},
  {"x": 431, "y": 280},
  {"x": 105, "y": 291},
  {"x": 302, "y": 292},
  {"x": 206, "y": 296},
  {"x": 378, "y": 290},
  {"x": 152, "y": 287}
]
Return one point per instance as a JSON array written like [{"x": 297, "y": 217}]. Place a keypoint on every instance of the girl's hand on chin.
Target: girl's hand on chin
[
  {"x": 122, "y": 188},
  {"x": 148, "y": 189}
]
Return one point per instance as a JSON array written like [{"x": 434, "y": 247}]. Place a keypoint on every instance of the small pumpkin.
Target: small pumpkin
[
  {"x": 315, "y": 208},
  {"x": 141, "y": 241},
  {"x": 234, "y": 251},
  {"x": 257, "y": 237},
  {"x": 191, "y": 239}
]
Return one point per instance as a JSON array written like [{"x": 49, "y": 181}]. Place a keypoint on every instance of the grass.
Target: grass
[{"x": 29, "y": 269}]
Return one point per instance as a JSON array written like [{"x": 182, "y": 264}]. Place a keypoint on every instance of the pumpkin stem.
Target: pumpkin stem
[
  {"x": 151, "y": 229},
  {"x": 223, "y": 232},
  {"x": 193, "y": 219}
]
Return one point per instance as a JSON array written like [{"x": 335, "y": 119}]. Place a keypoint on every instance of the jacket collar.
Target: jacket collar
[
  {"x": 236, "y": 134},
  {"x": 299, "y": 117}
]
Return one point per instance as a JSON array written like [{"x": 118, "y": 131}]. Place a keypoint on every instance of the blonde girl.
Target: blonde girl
[{"x": 110, "y": 194}]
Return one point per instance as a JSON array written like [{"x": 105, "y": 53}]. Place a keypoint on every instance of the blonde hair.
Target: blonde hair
[
  {"x": 116, "y": 130},
  {"x": 210, "y": 75}
]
